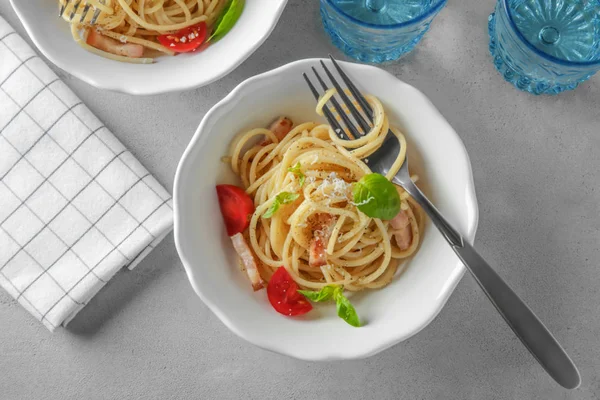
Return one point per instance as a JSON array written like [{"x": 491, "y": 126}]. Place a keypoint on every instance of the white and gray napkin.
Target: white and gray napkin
[{"x": 75, "y": 205}]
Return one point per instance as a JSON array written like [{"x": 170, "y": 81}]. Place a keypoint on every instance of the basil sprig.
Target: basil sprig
[
  {"x": 296, "y": 170},
  {"x": 281, "y": 198},
  {"x": 321, "y": 295},
  {"x": 345, "y": 309},
  {"x": 229, "y": 16},
  {"x": 377, "y": 197}
]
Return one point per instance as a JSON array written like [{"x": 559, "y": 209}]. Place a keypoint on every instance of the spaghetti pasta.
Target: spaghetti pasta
[
  {"x": 138, "y": 21},
  {"x": 360, "y": 251}
]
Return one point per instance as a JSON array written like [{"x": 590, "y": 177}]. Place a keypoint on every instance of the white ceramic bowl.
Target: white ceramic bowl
[
  {"x": 391, "y": 314},
  {"x": 52, "y": 37}
]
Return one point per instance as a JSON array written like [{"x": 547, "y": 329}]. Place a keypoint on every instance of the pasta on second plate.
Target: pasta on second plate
[{"x": 136, "y": 30}]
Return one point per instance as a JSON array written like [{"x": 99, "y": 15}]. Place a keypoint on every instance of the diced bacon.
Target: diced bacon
[
  {"x": 281, "y": 127},
  {"x": 401, "y": 225},
  {"x": 243, "y": 250},
  {"x": 110, "y": 45},
  {"x": 400, "y": 220},
  {"x": 403, "y": 234},
  {"x": 317, "y": 255}
]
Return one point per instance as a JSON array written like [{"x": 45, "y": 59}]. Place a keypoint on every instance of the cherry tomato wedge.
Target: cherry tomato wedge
[
  {"x": 185, "y": 40},
  {"x": 283, "y": 294},
  {"x": 236, "y": 208}
]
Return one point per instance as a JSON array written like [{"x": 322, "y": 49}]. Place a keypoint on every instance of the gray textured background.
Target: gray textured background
[{"x": 536, "y": 164}]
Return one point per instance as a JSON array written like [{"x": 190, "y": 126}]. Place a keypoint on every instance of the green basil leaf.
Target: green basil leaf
[
  {"x": 345, "y": 309},
  {"x": 298, "y": 172},
  {"x": 321, "y": 295},
  {"x": 377, "y": 197},
  {"x": 281, "y": 198},
  {"x": 272, "y": 209},
  {"x": 229, "y": 16},
  {"x": 287, "y": 197}
]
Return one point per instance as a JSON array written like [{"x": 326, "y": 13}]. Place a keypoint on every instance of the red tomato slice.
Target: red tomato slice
[
  {"x": 187, "y": 39},
  {"x": 236, "y": 207},
  {"x": 283, "y": 294}
]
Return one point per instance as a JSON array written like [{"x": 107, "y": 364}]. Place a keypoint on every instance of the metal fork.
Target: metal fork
[
  {"x": 86, "y": 9},
  {"x": 525, "y": 324}
]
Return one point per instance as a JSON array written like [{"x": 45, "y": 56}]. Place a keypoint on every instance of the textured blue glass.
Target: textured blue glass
[
  {"x": 378, "y": 37},
  {"x": 545, "y": 46}
]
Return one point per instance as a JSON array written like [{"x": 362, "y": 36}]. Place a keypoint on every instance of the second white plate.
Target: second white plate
[{"x": 52, "y": 37}]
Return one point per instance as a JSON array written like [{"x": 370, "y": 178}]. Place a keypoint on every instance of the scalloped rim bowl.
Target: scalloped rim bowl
[
  {"x": 390, "y": 315},
  {"x": 52, "y": 37}
]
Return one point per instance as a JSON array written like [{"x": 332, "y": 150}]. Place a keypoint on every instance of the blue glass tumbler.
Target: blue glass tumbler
[
  {"x": 376, "y": 31},
  {"x": 545, "y": 46}
]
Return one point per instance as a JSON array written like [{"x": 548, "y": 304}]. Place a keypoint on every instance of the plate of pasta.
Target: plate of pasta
[
  {"x": 294, "y": 243},
  {"x": 125, "y": 45}
]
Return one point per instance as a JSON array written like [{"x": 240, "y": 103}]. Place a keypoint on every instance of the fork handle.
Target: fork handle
[{"x": 524, "y": 323}]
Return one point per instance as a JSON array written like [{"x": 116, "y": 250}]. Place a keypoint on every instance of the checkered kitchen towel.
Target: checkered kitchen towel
[{"x": 75, "y": 205}]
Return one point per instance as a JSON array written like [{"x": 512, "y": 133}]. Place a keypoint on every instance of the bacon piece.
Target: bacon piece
[
  {"x": 110, "y": 45},
  {"x": 403, "y": 236},
  {"x": 243, "y": 250},
  {"x": 400, "y": 220},
  {"x": 280, "y": 127},
  {"x": 317, "y": 255}
]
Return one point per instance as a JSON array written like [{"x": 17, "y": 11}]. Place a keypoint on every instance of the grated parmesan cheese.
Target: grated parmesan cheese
[{"x": 339, "y": 188}]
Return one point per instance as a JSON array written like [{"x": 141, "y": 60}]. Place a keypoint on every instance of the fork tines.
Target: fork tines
[
  {"x": 86, "y": 9},
  {"x": 75, "y": 7},
  {"x": 63, "y": 7},
  {"x": 84, "y": 13},
  {"x": 363, "y": 124},
  {"x": 96, "y": 14}
]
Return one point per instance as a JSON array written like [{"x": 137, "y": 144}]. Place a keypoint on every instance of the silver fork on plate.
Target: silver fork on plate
[
  {"x": 525, "y": 324},
  {"x": 86, "y": 9}
]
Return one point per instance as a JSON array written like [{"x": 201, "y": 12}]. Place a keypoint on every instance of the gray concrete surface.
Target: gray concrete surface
[{"x": 537, "y": 167}]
